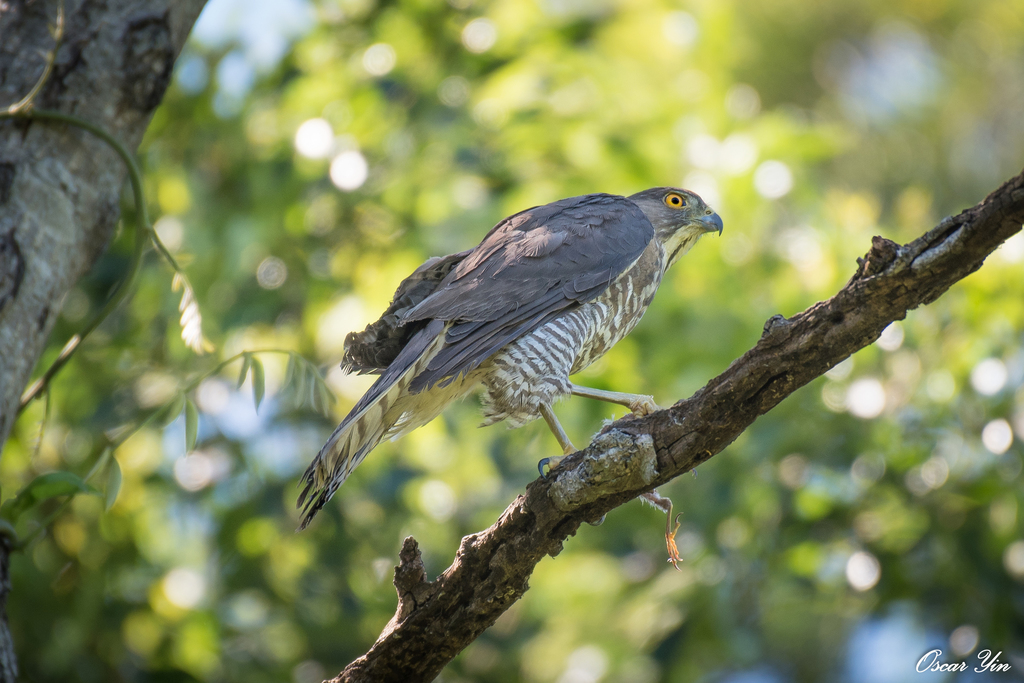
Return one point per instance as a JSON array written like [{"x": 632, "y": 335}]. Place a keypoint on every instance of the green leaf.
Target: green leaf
[
  {"x": 113, "y": 482},
  {"x": 246, "y": 364},
  {"x": 324, "y": 394},
  {"x": 301, "y": 380},
  {"x": 171, "y": 410},
  {"x": 315, "y": 398},
  {"x": 314, "y": 384},
  {"x": 191, "y": 425},
  {"x": 289, "y": 375},
  {"x": 43, "y": 488},
  {"x": 321, "y": 396},
  {"x": 258, "y": 382}
]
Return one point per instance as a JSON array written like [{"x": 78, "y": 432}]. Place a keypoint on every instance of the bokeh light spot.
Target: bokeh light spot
[
  {"x": 587, "y": 664},
  {"x": 309, "y": 671},
  {"x": 863, "y": 571},
  {"x": 737, "y": 154},
  {"x": 453, "y": 91},
  {"x": 213, "y": 395},
  {"x": 868, "y": 468},
  {"x": 704, "y": 185},
  {"x": 742, "y": 101},
  {"x": 1013, "y": 560},
  {"x": 314, "y": 139},
  {"x": 680, "y": 28},
  {"x": 193, "y": 472},
  {"x": 379, "y": 59},
  {"x": 191, "y": 74},
  {"x": 891, "y": 338},
  {"x": 940, "y": 386},
  {"x": 989, "y": 376},
  {"x": 173, "y": 194},
  {"x": 349, "y": 170},
  {"x": 702, "y": 151},
  {"x": 997, "y": 436},
  {"x": 866, "y": 398},
  {"x": 171, "y": 232},
  {"x": 184, "y": 587},
  {"x": 963, "y": 640},
  {"x": 470, "y": 192},
  {"x": 841, "y": 370},
  {"x": 935, "y": 472},
  {"x": 793, "y": 471},
  {"x": 733, "y": 533},
  {"x": 773, "y": 179},
  {"x": 479, "y": 35},
  {"x": 438, "y": 500},
  {"x": 1012, "y": 250},
  {"x": 271, "y": 273}
]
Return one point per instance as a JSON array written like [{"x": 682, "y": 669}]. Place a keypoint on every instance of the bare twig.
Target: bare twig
[{"x": 436, "y": 620}]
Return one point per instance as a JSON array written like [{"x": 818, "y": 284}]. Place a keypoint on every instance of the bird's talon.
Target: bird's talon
[
  {"x": 670, "y": 540},
  {"x": 597, "y": 522},
  {"x": 644, "y": 405},
  {"x": 551, "y": 463}
]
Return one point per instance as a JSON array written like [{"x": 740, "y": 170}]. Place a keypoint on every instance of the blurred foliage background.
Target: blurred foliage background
[{"x": 311, "y": 154}]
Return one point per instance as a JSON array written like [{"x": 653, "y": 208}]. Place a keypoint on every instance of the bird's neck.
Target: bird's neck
[{"x": 678, "y": 243}]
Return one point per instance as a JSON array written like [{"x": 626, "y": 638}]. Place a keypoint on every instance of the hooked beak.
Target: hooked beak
[{"x": 712, "y": 222}]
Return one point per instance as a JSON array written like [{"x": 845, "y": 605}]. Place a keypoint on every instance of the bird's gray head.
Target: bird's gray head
[{"x": 679, "y": 218}]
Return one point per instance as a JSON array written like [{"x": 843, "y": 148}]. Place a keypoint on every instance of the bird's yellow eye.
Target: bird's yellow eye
[{"x": 674, "y": 200}]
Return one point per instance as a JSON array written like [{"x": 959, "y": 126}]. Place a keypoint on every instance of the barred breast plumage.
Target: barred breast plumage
[{"x": 534, "y": 370}]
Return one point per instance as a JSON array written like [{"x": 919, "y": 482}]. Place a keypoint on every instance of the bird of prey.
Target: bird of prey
[{"x": 546, "y": 293}]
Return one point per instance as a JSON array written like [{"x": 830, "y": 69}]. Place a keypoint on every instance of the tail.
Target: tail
[{"x": 367, "y": 422}]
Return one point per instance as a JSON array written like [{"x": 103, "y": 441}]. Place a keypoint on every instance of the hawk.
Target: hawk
[{"x": 546, "y": 293}]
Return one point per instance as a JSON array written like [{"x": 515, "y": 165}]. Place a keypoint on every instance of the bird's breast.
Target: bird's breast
[
  {"x": 534, "y": 370},
  {"x": 615, "y": 313}
]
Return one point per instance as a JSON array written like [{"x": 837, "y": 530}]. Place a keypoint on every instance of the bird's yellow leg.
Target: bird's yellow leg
[
  {"x": 660, "y": 501},
  {"x": 567, "y": 448},
  {"x": 563, "y": 439},
  {"x": 639, "y": 404}
]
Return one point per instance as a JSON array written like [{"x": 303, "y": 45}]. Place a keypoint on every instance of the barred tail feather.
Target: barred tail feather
[{"x": 367, "y": 423}]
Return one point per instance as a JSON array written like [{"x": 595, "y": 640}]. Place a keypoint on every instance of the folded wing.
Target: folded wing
[{"x": 531, "y": 268}]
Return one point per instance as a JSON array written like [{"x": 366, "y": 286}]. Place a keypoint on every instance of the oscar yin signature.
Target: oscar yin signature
[{"x": 987, "y": 661}]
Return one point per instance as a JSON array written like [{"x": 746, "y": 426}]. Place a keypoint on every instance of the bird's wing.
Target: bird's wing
[
  {"x": 529, "y": 269},
  {"x": 374, "y": 349}
]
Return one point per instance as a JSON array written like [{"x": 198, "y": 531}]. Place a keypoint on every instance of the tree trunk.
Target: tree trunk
[{"x": 60, "y": 186}]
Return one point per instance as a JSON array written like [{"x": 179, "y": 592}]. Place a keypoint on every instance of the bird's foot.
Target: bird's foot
[
  {"x": 670, "y": 539},
  {"x": 597, "y": 522},
  {"x": 551, "y": 464},
  {"x": 660, "y": 501},
  {"x": 643, "y": 405}
]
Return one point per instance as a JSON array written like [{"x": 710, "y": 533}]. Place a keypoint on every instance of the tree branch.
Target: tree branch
[{"x": 436, "y": 620}]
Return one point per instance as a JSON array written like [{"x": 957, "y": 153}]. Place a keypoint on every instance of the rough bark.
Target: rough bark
[
  {"x": 436, "y": 620},
  {"x": 60, "y": 186}
]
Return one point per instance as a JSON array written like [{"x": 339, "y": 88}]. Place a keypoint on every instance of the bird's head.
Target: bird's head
[{"x": 679, "y": 218}]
